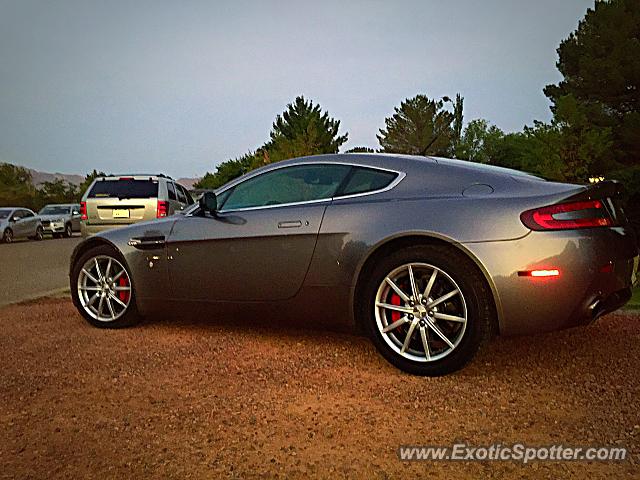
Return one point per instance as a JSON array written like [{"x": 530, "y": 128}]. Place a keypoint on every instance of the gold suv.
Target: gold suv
[{"x": 116, "y": 201}]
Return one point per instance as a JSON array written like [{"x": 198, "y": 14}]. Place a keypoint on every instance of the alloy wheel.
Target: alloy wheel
[
  {"x": 104, "y": 288},
  {"x": 420, "y": 312},
  {"x": 8, "y": 236}
]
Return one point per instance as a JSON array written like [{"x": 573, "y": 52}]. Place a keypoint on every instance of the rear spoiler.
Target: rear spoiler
[{"x": 598, "y": 191}]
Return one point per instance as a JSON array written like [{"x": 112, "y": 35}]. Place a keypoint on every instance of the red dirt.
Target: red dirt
[{"x": 210, "y": 399}]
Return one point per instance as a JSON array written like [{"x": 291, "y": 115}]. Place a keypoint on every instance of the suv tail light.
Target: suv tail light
[
  {"x": 566, "y": 216},
  {"x": 163, "y": 209},
  {"x": 83, "y": 211}
]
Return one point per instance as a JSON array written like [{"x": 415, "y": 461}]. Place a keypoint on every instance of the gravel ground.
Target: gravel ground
[{"x": 222, "y": 398}]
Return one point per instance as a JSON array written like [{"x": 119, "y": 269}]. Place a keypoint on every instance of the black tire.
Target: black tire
[
  {"x": 39, "y": 234},
  {"x": 477, "y": 296},
  {"x": 131, "y": 315},
  {"x": 68, "y": 231},
  {"x": 7, "y": 235}
]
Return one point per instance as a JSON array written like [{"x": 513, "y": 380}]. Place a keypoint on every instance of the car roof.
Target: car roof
[
  {"x": 61, "y": 204},
  {"x": 16, "y": 208},
  {"x": 394, "y": 161}
]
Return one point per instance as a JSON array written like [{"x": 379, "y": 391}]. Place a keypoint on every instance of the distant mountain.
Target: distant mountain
[
  {"x": 188, "y": 182},
  {"x": 41, "y": 177}
]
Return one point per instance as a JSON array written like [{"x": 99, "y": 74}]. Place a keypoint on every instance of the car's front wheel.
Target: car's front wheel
[
  {"x": 7, "y": 236},
  {"x": 102, "y": 289},
  {"x": 428, "y": 309},
  {"x": 68, "y": 231}
]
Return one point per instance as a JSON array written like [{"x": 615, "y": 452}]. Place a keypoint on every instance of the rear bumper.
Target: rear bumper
[
  {"x": 596, "y": 268},
  {"x": 88, "y": 230}
]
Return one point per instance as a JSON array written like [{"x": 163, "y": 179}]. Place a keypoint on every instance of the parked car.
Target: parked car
[
  {"x": 430, "y": 256},
  {"x": 18, "y": 222},
  {"x": 118, "y": 201},
  {"x": 60, "y": 219}
]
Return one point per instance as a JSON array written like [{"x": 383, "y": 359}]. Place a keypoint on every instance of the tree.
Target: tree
[
  {"x": 227, "y": 171},
  {"x": 88, "y": 180},
  {"x": 419, "y": 126},
  {"x": 599, "y": 63},
  {"x": 458, "y": 118},
  {"x": 303, "y": 129},
  {"x": 16, "y": 186},
  {"x": 360, "y": 150},
  {"x": 481, "y": 142},
  {"x": 57, "y": 191}
]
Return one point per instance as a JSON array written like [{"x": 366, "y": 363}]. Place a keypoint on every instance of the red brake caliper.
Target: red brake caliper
[
  {"x": 123, "y": 294},
  {"x": 395, "y": 300}
]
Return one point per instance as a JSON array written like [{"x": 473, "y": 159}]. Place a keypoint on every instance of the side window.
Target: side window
[
  {"x": 180, "y": 192},
  {"x": 300, "y": 183},
  {"x": 187, "y": 195},
  {"x": 367, "y": 180},
  {"x": 27, "y": 214},
  {"x": 172, "y": 191},
  {"x": 18, "y": 214}
]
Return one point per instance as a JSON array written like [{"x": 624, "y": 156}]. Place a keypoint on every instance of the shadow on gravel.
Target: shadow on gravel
[{"x": 565, "y": 352}]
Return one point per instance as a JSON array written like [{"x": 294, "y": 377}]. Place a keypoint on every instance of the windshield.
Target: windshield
[
  {"x": 4, "y": 213},
  {"x": 124, "y": 188},
  {"x": 55, "y": 210}
]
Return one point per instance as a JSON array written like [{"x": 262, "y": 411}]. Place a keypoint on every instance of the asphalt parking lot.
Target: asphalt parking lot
[
  {"x": 227, "y": 398},
  {"x": 29, "y": 269}
]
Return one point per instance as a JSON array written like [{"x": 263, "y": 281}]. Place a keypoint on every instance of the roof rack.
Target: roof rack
[{"x": 159, "y": 175}]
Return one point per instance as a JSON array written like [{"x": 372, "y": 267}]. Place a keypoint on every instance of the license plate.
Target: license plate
[
  {"x": 120, "y": 213},
  {"x": 634, "y": 275}
]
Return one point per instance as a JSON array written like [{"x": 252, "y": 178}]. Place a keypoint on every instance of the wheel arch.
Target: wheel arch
[
  {"x": 410, "y": 240},
  {"x": 87, "y": 245}
]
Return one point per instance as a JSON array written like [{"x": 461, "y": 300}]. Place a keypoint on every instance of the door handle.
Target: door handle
[
  {"x": 147, "y": 243},
  {"x": 291, "y": 224}
]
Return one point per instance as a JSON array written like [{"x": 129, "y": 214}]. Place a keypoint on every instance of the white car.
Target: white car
[
  {"x": 18, "y": 222},
  {"x": 60, "y": 219}
]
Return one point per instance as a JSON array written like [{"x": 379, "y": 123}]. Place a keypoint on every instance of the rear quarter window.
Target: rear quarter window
[
  {"x": 365, "y": 180},
  {"x": 124, "y": 188}
]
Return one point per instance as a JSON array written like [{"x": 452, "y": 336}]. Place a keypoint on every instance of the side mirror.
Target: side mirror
[
  {"x": 209, "y": 203},
  {"x": 75, "y": 214},
  {"x": 15, "y": 218}
]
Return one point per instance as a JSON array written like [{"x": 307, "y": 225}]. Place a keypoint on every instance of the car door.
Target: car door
[
  {"x": 17, "y": 224},
  {"x": 30, "y": 223},
  {"x": 21, "y": 226},
  {"x": 259, "y": 245}
]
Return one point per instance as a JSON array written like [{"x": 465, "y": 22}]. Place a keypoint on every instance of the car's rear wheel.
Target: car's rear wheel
[
  {"x": 7, "y": 236},
  {"x": 428, "y": 309},
  {"x": 68, "y": 230},
  {"x": 102, "y": 289}
]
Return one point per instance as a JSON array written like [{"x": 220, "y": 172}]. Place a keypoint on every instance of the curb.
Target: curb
[{"x": 56, "y": 293}]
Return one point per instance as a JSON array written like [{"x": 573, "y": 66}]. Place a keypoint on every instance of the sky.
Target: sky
[{"x": 179, "y": 86}]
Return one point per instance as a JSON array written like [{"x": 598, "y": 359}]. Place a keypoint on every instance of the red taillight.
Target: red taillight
[
  {"x": 163, "y": 209},
  {"x": 83, "y": 211},
  {"x": 587, "y": 214}
]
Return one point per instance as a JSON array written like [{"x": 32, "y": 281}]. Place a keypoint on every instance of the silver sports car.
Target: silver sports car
[{"x": 429, "y": 256}]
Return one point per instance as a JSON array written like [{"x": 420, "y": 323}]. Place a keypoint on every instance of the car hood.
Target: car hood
[{"x": 53, "y": 217}]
